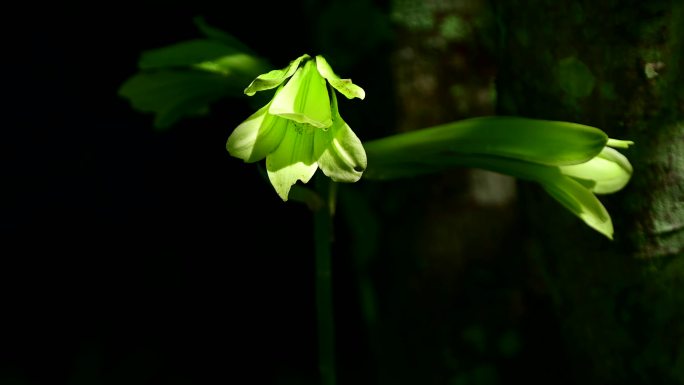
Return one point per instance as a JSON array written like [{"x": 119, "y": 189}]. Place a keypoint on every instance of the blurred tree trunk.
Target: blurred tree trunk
[
  {"x": 616, "y": 65},
  {"x": 452, "y": 293}
]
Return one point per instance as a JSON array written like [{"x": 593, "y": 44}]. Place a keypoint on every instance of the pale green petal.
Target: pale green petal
[
  {"x": 344, "y": 86},
  {"x": 241, "y": 141},
  {"x": 581, "y": 202},
  {"x": 292, "y": 160},
  {"x": 608, "y": 172},
  {"x": 274, "y": 78},
  {"x": 257, "y": 136},
  {"x": 304, "y": 98},
  {"x": 343, "y": 158}
]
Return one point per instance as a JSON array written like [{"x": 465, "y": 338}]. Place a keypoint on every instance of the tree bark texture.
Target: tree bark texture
[{"x": 616, "y": 65}]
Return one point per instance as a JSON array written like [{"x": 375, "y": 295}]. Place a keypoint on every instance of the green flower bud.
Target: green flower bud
[
  {"x": 572, "y": 162},
  {"x": 300, "y": 129}
]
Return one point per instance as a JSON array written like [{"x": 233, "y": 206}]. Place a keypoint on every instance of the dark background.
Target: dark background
[
  {"x": 138, "y": 256},
  {"x": 132, "y": 255}
]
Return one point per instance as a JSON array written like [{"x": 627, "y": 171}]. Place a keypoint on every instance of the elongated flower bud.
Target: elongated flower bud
[{"x": 572, "y": 162}]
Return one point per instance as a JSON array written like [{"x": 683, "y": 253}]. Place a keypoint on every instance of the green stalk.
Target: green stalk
[{"x": 324, "y": 304}]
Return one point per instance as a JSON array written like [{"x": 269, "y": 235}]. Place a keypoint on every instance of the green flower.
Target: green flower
[
  {"x": 573, "y": 162},
  {"x": 300, "y": 129},
  {"x": 575, "y": 186}
]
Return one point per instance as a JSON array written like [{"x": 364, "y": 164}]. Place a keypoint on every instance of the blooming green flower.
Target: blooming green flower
[{"x": 300, "y": 129}]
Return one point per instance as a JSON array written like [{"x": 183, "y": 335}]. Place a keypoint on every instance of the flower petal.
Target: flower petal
[
  {"x": 552, "y": 143},
  {"x": 292, "y": 160},
  {"x": 342, "y": 156},
  {"x": 257, "y": 136},
  {"x": 575, "y": 197},
  {"x": 581, "y": 202},
  {"x": 606, "y": 173},
  {"x": 274, "y": 78},
  {"x": 304, "y": 98},
  {"x": 344, "y": 86}
]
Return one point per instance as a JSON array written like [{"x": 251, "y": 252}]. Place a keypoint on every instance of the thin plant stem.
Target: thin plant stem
[{"x": 323, "y": 237}]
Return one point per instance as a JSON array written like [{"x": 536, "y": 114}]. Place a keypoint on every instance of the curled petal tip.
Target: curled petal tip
[{"x": 616, "y": 143}]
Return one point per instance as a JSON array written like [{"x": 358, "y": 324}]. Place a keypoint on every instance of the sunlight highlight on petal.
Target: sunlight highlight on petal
[
  {"x": 344, "y": 86},
  {"x": 292, "y": 161},
  {"x": 304, "y": 98},
  {"x": 274, "y": 78},
  {"x": 257, "y": 136},
  {"x": 343, "y": 158}
]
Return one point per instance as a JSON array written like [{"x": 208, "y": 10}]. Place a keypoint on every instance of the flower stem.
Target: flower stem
[{"x": 324, "y": 306}]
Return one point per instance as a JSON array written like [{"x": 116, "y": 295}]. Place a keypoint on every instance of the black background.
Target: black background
[
  {"x": 137, "y": 256},
  {"x": 132, "y": 255}
]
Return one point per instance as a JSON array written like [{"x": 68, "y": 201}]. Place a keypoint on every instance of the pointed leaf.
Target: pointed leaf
[
  {"x": 172, "y": 95},
  {"x": 185, "y": 54}
]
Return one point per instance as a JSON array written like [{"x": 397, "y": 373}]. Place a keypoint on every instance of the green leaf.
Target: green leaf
[
  {"x": 304, "y": 98},
  {"x": 174, "y": 94},
  {"x": 344, "y": 86},
  {"x": 184, "y": 79},
  {"x": 185, "y": 54},
  {"x": 242, "y": 65},
  {"x": 274, "y": 78}
]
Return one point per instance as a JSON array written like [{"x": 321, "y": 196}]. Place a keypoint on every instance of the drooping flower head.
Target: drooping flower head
[{"x": 300, "y": 129}]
